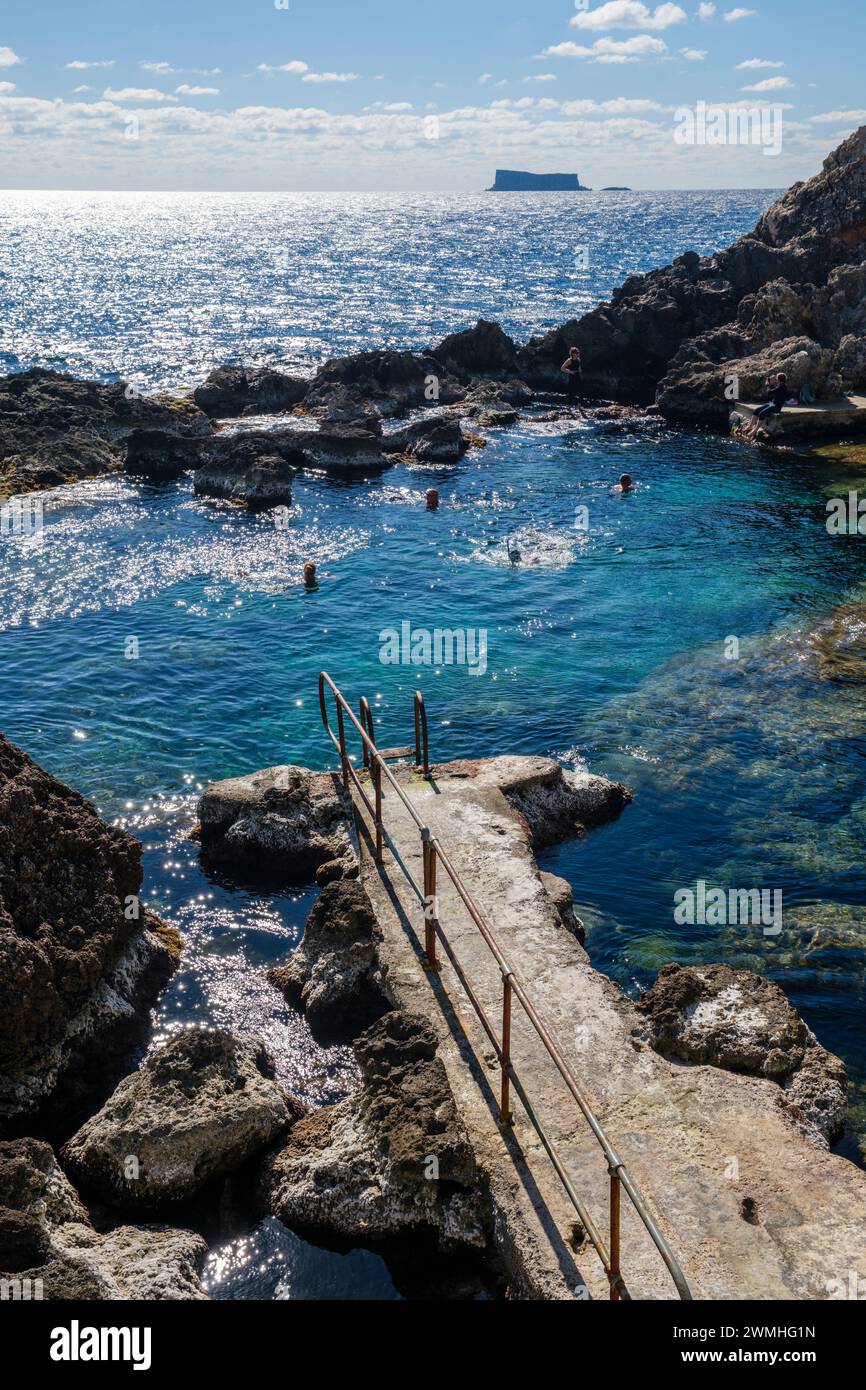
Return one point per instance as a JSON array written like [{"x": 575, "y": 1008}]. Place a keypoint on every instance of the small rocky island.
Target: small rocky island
[{"x": 517, "y": 181}]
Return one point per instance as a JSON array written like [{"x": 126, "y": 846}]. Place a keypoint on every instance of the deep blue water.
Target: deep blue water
[{"x": 605, "y": 647}]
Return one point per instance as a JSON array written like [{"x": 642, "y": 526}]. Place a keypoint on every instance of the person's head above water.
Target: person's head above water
[
  {"x": 309, "y": 573},
  {"x": 432, "y": 499},
  {"x": 625, "y": 482}
]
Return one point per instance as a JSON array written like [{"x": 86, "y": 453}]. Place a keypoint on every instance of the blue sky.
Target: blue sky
[{"x": 390, "y": 94}]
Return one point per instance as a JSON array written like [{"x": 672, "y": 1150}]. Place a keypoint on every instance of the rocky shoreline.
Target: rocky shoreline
[{"x": 680, "y": 345}]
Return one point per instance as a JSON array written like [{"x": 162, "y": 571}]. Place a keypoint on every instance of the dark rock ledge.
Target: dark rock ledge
[
  {"x": 81, "y": 960},
  {"x": 390, "y": 1160},
  {"x": 46, "y": 1234},
  {"x": 716, "y": 1015}
]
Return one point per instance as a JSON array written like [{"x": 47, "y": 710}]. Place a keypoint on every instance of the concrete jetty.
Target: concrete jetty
[{"x": 752, "y": 1208}]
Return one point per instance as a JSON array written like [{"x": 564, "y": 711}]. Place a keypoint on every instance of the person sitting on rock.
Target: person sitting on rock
[
  {"x": 573, "y": 370},
  {"x": 774, "y": 406}
]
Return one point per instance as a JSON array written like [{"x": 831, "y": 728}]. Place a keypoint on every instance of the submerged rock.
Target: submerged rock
[
  {"x": 231, "y": 391},
  {"x": 391, "y": 1159},
  {"x": 81, "y": 960},
  {"x": 46, "y": 1235},
  {"x": 55, "y": 429},
  {"x": 282, "y": 821},
  {"x": 717, "y": 1015},
  {"x": 334, "y": 975},
  {"x": 196, "y": 1110}
]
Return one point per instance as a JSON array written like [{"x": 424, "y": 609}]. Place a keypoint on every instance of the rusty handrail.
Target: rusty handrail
[
  {"x": 422, "y": 744},
  {"x": 434, "y": 854}
]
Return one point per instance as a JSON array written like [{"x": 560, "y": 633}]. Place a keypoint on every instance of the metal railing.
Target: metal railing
[{"x": 434, "y": 855}]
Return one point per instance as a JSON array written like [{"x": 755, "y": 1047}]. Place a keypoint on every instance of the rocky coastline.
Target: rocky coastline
[{"x": 681, "y": 344}]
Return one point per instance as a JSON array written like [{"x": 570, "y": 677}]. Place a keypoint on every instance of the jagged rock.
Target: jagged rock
[
  {"x": 433, "y": 440},
  {"x": 160, "y": 457},
  {"x": 799, "y": 274},
  {"x": 334, "y": 975},
  {"x": 264, "y": 482},
  {"x": 696, "y": 390},
  {"x": 393, "y": 382},
  {"x": 554, "y": 802},
  {"x": 282, "y": 821},
  {"x": 77, "y": 974},
  {"x": 485, "y": 350},
  {"x": 560, "y": 892},
  {"x": 199, "y": 1107},
  {"x": 391, "y": 1159},
  {"x": 738, "y": 1020},
  {"x": 54, "y": 429},
  {"x": 231, "y": 391},
  {"x": 46, "y": 1236}
]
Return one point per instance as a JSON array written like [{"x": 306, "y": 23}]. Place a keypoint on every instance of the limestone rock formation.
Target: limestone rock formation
[
  {"x": 391, "y": 1159},
  {"x": 334, "y": 975},
  {"x": 54, "y": 429},
  {"x": 393, "y": 382},
  {"x": 198, "y": 1108},
  {"x": 735, "y": 1019},
  {"x": 283, "y": 821},
  {"x": 231, "y": 391},
  {"x": 436, "y": 439},
  {"x": 689, "y": 326},
  {"x": 46, "y": 1235},
  {"x": 485, "y": 350},
  {"x": 81, "y": 961},
  {"x": 554, "y": 802}
]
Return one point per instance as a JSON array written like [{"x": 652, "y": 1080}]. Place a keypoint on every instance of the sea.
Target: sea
[{"x": 700, "y": 638}]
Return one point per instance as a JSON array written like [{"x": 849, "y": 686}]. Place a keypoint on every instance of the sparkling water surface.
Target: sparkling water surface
[{"x": 605, "y": 647}]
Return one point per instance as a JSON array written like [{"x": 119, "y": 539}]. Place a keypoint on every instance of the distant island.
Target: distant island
[
  {"x": 617, "y": 188},
  {"x": 516, "y": 181}
]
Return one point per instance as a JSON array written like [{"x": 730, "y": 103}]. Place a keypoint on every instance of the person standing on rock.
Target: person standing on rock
[{"x": 573, "y": 369}]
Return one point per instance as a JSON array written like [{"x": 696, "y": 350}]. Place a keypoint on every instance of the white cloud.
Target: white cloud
[
  {"x": 83, "y": 88},
  {"x": 706, "y": 10},
  {"x": 136, "y": 94},
  {"x": 628, "y": 14},
  {"x": 485, "y": 78},
  {"x": 8, "y": 58},
  {"x": 330, "y": 77},
  {"x": 615, "y": 106},
  {"x": 542, "y": 77},
  {"x": 81, "y": 66},
  {"x": 758, "y": 63},
  {"x": 609, "y": 50},
  {"x": 165, "y": 69},
  {"x": 731, "y": 16},
  {"x": 390, "y": 106},
  {"x": 854, "y": 116},
  {"x": 185, "y": 91},
  {"x": 6, "y": 88},
  {"x": 296, "y": 67},
  {"x": 769, "y": 84},
  {"x": 694, "y": 55}
]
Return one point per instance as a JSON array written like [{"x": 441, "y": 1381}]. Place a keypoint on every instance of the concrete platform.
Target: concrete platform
[
  {"x": 823, "y": 418},
  {"x": 699, "y": 1141}
]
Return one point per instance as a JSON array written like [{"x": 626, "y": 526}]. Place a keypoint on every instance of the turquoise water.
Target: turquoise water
[{"x": 605, "y": 646}]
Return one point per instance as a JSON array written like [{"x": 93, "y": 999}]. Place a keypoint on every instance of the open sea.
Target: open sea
[{"x": 608, "y": 647}]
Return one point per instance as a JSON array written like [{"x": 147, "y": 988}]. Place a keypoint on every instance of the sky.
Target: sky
[{"x": 368, "y": 95}]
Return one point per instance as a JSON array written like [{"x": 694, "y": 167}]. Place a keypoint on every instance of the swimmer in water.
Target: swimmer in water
[
  {"x": 432, "y": 499},
  {"x": 625, "y": 484},
  {"x": 310, "y": 581}
]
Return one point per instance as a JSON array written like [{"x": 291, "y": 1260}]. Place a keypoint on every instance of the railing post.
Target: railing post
[
  {"x": 377, "y": 782},
  {"x": 429, "y": 853},
  {"x": 343, "y": 757},
  {"x": 505, "y": 1063},
  {"x": 422, "y": 748},
  {"x": 615, "y": 1191}
]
